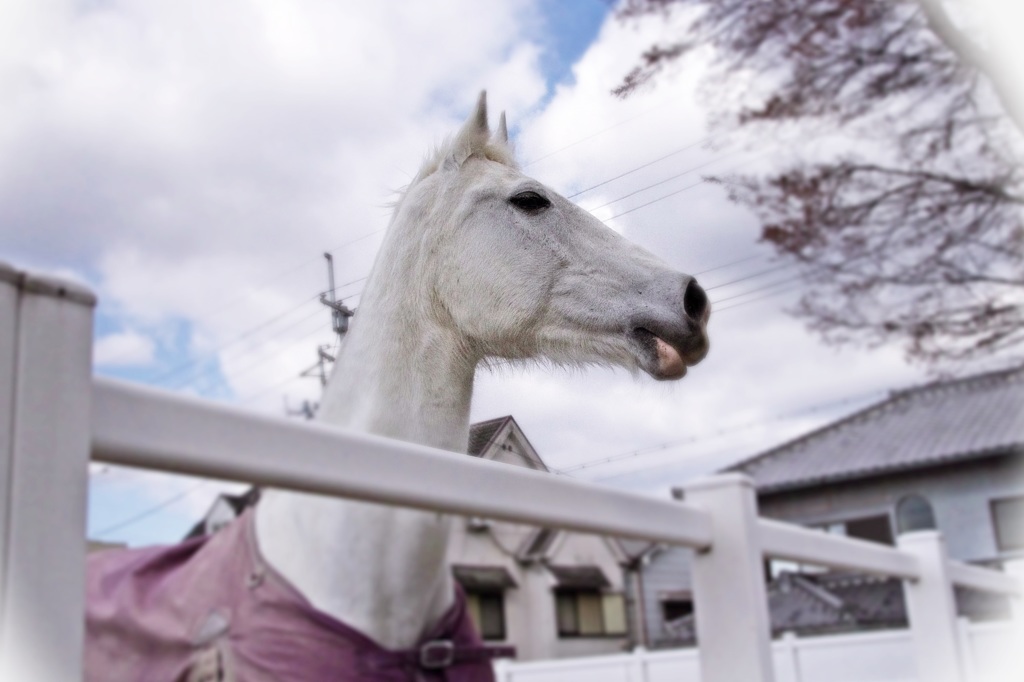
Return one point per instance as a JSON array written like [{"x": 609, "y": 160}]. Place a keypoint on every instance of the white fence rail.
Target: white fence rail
[{"x": 55, "y": 416}]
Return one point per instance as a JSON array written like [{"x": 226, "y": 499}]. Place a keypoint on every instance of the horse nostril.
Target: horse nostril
[{"x": 695, "y": 301}]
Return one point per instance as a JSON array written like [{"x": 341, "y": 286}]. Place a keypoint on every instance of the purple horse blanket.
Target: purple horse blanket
[{"x": 211, "y": 610}]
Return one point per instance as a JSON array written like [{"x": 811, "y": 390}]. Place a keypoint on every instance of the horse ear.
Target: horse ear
[
  {"x": 473, "y": 135},
  {"x": 501, "y": 134}
]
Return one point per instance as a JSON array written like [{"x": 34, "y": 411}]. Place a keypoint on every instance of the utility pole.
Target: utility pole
[
  {"x": 339, "y": 323},
  {"x": 339, "y": 312},
  {"x": 320, "y": 368},
  {"x": 307, "y": 409}
]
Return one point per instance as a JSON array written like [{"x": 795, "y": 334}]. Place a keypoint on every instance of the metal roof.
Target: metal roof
[{"x": 938, "y": 423}]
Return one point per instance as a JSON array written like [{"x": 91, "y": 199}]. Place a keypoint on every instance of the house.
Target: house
[
  {"x": 947, "y": 455},
  {"x": 550, "y": 593},
  {"x": 224, "y": 510}
]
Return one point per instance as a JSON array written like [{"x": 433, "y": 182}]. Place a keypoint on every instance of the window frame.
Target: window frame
[
  {"x": 564, "y": 596},
  {"x": 998, "y": 531},
  {"x": 476, "y": 612}
]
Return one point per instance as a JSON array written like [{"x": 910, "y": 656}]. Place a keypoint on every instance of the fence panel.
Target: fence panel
[
  {"x": 885, "y": 656},
  {"x": 865, "y": 657}
]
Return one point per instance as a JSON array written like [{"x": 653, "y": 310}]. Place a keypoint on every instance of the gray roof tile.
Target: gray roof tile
[{"x": 937, "y": 423}]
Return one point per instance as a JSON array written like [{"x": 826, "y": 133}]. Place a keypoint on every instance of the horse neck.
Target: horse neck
[{"x": 380, "y": 569}]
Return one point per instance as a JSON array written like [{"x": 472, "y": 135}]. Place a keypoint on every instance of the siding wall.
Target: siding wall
[{"x": 960, "y": 496}]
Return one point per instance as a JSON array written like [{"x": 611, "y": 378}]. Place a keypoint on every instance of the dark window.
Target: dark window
[
  {"x": 914, "y": 512},
  {"x": 1008, "y": 519},
  {"x": 487, "y": 609},
  {"x": 674, "y": 609},
  {"x": 586, "y": 613},
  {"x": 873, "y": 528}
]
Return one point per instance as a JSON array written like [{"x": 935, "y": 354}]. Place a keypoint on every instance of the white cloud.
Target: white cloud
[
  {"x": 123, "y": 349},
  {"x": 193, "y": 160}
]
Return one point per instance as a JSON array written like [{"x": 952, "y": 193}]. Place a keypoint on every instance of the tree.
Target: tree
[{"x": 915, "y": 232}]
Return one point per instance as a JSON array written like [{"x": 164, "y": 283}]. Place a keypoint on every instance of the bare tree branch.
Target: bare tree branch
[{"x": 920, "y": 240}]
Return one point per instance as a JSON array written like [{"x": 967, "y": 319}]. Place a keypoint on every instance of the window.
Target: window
[
  {"x": 583, "y": 613},
  {"x": 674, "y": 609},
  {"x": 914, "y": 512},
  {"x": 872, "y": 528},
  {"x": 485, "y": 597},
  {"x": 487, "y": 609},
  {"x": 1008, "y": 520}
]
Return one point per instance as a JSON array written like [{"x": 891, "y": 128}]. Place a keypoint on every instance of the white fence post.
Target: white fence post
[
  {"x": 789, "y": 648},
  {"x": 46, "y": 360},
  {"x": 730, "y": 598},
  {"x": 1015, "y": 567},
  {"x": 931, "y": 610},
  {"x": 637, "y": 668}
]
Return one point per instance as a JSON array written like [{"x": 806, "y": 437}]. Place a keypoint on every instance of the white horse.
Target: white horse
[{"x": 479, "y": 261}]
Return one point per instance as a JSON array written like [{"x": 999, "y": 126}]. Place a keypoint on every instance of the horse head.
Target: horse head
[{"x": 519, "y": 271}]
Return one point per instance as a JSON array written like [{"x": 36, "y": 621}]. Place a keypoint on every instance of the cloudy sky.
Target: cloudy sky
[{"x": 191, "y": 162}]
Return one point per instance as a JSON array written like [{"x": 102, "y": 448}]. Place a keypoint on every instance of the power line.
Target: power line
[
  {"x": 760, "y": 273},
  {"x": 719, "y": 433},
  {"x": 641, "y": 167},
  {"x": 730, "y": 263},
  {"x": 160, "y": 378},
  {"x": 661, "y": 182},
  {"x": 150, "y": 511},
  {"x": 763, "y": 287},
  {"x": 261, "y": 359},
  {"x": 249, "y": 398},
  {"x": 772, "y": 294},
  {"x": 598, "y": 133},
  {"x": 195, "y": 368},
  {"x": 688, "y": 187}
]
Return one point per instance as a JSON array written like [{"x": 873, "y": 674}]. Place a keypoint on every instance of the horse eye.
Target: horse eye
[{"x": 530, "y": 202}]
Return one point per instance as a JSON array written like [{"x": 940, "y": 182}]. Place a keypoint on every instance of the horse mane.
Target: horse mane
[
  {"x": 459, "y": 149},
  {"x": 474, "y": 139}
]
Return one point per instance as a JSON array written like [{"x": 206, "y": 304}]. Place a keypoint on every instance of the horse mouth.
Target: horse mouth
[{"x": 665, "y": 359}]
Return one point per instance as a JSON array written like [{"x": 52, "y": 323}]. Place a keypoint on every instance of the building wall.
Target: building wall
[
  {"x": 667, "y": 572},
  {"x": 960, "y": 495},
  {"x": 530, "y": 618},
  {"x": 576, "y": 549}
]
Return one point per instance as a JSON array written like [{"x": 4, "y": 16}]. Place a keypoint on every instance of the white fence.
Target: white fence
[
  {"x": 992, "y": 654},
  {"x": 54, "y": 416}
]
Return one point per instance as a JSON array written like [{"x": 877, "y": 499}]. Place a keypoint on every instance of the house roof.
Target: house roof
[
  {"x": 483, "y": 578},
  {"x": 482, "y": 434},
  {"x": 238, "y": 504},
  {"x": 938, "y": 423}
]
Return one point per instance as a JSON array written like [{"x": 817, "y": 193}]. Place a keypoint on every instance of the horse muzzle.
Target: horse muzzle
[{"x": 670, "y": 344}]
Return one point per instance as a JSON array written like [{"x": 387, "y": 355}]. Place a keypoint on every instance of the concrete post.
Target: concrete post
[
  {"x": 730, "y": 599},
  {"x": 931, "y": 610},
  {"x": 44, "y": 475}
]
